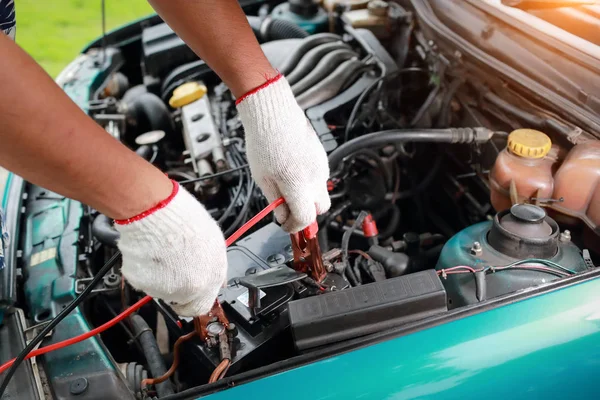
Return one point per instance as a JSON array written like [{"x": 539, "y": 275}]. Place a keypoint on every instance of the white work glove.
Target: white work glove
[
  {"x": 175, "y": 252},
  {"x": 285, "y": 154}
]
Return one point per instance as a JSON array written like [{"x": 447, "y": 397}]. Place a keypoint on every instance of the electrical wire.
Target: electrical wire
[
  {"x": 76, "y": 339},
  {"x": 241, "y": 217},
  {"x": 212, "y": 176},
  {"x": 428, "y": 102},
  {"x": 224, "y": 372},
  {"x": 396, "y": 182},
  {"x": 29, "y": 352},
  {"x": 132, "y": 338},
  {"x": 367, "y": 91},
  {"x": 425, "y": 182},
  {"x": 360, "y": 253},
  {"x": 221, "y": 368},
  {"x": 354, "y": 280},
  {"x": 244, "y": 211},
  {"x": 253, "y": 221},
  {"x": 359, "y": 101},
  {"x": 176, "y": 356},
  {"x": 234, "y": 200},
  {"x": 550, "y": 267},
  {"x": 538, "y": 261}
]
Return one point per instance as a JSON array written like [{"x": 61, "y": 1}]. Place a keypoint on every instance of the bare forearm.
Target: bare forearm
[
  {"x": 217, "y": 30},
  {"x": 48, "y": 140}
]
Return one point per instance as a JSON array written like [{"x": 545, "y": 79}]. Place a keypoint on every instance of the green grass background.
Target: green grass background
[{"x": 55, "y": 31}]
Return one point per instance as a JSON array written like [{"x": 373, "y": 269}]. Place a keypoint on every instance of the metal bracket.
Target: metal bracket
[
  {"x": 81, "y": 284},
  {"x": 276, "y": 276}
]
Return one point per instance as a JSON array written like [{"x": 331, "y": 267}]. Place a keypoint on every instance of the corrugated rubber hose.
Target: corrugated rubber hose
[{"x": 154, "y": 359}]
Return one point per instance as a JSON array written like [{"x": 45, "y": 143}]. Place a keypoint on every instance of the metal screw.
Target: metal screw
[
  {"x": 565, "y": 236},
  {"x": 276, "y": 259},
  {"x": 328, "y": 266},
  {"x": 476, "y": 249}
]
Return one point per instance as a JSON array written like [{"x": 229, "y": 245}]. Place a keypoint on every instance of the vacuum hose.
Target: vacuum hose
[
  {"x": 156, "y": 364},
  {"x": 394, "y": 136},
  {"x": 103, "y": 230}
]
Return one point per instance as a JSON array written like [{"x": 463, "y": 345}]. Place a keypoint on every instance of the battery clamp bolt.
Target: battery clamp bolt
[{"x": 476, "y": 249}]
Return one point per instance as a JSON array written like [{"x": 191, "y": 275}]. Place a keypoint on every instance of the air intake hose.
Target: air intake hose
[{"x": 150, "y": 108}]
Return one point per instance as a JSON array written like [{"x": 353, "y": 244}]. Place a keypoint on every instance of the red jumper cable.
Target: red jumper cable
[{"x": 145, "y": 300}]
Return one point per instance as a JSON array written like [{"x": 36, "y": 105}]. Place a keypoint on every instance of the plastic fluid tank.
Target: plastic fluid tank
[
  {"x": 307, "y": 14},
  {"x": 577, "y": 182},
  {"x": 522, "y": 171}
]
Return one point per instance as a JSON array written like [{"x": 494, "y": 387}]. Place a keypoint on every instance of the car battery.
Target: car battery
[{"x": 259, "y": 332}]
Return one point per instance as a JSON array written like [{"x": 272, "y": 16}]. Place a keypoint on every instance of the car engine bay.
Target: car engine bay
[{"x": 450, "y": 186}]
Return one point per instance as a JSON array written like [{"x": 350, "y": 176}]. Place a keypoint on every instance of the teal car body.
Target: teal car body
[{"x": 543, "y": 342}]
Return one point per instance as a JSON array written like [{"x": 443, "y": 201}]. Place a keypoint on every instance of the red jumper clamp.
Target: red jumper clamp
[{"x": 307, "y": 253}]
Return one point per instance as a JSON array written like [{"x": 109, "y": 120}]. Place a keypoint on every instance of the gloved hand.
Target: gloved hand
[
  {"x": 175, "y": 252},
  {"x": 285, "y": 155}
]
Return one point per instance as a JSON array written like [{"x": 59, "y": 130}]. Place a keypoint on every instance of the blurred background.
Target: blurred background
[{"x": 55, "y": 31}]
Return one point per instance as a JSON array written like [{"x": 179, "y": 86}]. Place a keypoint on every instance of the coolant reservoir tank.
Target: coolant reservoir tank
[
  {"x": 522, "y": 170},
  {"x": 577, "y": 182}
]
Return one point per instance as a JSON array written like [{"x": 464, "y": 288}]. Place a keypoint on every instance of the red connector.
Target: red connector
[{"x": 369, "y": 227}]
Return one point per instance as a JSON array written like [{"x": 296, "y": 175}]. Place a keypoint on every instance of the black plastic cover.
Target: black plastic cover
[
  {"x": 164, "y": 50},
  {"x": 347, "y": 314}
]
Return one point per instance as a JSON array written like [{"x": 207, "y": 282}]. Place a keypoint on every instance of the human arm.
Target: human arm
[
  {"x": 176, "y": 252},
  {"x": 285, "y": 155},
  {"x": 48, "y": 140}
]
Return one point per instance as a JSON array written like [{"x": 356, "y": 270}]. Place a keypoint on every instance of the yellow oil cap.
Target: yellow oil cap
[
  {"x": 529, "y": 143},
  {"x": 186, "y": 94}
]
